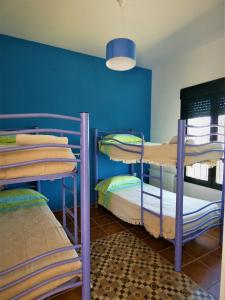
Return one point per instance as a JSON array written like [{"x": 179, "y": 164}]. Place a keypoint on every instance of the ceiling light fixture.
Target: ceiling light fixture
[{"x": 121, "y": 52}]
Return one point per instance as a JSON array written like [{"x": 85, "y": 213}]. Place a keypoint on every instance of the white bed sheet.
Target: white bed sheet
[{"x": 125, "y": 204}]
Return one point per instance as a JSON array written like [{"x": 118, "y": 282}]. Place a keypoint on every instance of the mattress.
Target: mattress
[
  {"x": 125, "y": 204},
  {"x": 163, "y": 154},
  {"x": 26, "y": 233},
  {"x": 37, "y": 169}
]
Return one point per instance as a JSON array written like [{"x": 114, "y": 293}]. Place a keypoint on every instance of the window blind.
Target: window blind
[{"x": 204, "y": 99}]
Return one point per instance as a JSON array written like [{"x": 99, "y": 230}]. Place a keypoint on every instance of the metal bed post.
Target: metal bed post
[
  {"x": 96, "y": 163},
  {"x": 131, "y": 166},
  {"x": 142, "y": 194},
  {"x": 131, "y": 169},
  {"x": 222, "y": 199},
  {"x": 85, "y": 205},
  {"x": 179, "y": 196},
  {"x": 142, "y": 181},
  {"x": 75, "y": 215},
  {"x": 64, "y": 202},
  {"x": 38, "y": 182},
  {"x": 39, "y": 186},
  {"x": 223, "y": 192},
  {"x": 161, "y": 199}
]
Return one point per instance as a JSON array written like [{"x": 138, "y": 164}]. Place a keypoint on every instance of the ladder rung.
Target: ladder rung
[
  {"x": 69, "y": 212},
  {"x": 146, "y": 193}
]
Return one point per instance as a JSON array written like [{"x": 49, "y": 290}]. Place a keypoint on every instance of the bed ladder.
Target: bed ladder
[
  {"x": 67, "y": 211},
  {"x": 160, "y": 196}
]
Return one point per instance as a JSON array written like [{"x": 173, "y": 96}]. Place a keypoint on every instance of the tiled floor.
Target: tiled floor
[{"x": 201, "y": 257}]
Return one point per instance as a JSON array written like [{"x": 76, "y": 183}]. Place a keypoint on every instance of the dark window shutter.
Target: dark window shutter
[
  {"x": 222, "y": 104},
  {"x": 203, "y": 99}
]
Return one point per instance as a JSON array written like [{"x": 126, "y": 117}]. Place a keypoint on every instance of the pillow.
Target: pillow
[
  {"x": 7, "y": 139},
  {"x": 20, "y": 198},
  {"x": 173, "y": 140},
  {"x": 124, "y": 138},
  {"x": 117, "y": 183},
  {"x": 190, "y": 142}
]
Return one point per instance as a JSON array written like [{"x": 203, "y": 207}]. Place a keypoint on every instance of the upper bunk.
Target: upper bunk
[
  {"x": 130, "y": 147},
  {"x": 41, "y": 153}
]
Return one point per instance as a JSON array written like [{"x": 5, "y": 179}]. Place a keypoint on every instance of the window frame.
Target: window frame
[
  {"x": 201, "y": 100},
  {"x": 211, "y": 182}
]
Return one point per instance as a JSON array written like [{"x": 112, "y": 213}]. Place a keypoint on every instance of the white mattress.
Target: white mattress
[{"x": 125, "y": 204}]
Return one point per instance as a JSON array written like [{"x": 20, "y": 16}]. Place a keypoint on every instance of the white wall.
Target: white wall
[
  {"x": 197, "y": 66},
  {"x": 202, "y": 64}
]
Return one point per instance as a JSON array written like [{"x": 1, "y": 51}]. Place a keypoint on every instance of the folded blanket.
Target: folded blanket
[
  {"x": 35, "y": 139},
  {"x": 37, "y": 169},
  {"x": 163, "y": 154}
]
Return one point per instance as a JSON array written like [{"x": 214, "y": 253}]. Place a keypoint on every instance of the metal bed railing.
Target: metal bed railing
[
  {"x": 199, "y": 224},
  {"x": 160, "y": 197},
  {"x": 83, "y": 161},
  {"x": 182, "y": 235},
  {"x": 100, "y": 135},
  {"x": 36, "y": 184}
]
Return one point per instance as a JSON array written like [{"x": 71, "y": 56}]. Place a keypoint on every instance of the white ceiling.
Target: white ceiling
[{"x": 159, "y": 27}]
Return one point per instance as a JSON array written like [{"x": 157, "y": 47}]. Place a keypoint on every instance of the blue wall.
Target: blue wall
[{"x": 41, "y": 78}]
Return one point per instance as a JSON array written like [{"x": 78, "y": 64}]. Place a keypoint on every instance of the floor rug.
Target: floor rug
[{"x": 125, "y": 268}]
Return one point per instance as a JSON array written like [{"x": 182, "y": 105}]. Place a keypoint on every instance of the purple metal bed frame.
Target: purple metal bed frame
[
  {"x": 83, "y": 147},
  {"x": 182, "y": 236}
]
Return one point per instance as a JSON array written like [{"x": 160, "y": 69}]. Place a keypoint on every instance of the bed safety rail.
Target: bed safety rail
[
  {"x": 207, "y": 219},
  {"x": 41, "y": 145},
  {"x": 160, "y": 197},
  {"x": 100, "y": 136}
]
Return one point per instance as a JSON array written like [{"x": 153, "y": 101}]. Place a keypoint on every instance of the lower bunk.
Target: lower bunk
[
  {"x": 125, "y": 204},
  {"x": 122, "y": 196},
  {"x": 36, "y": 257}
]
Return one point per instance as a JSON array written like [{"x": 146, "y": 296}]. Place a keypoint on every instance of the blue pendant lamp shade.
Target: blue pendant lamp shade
[{"x": 121, "y": 54}]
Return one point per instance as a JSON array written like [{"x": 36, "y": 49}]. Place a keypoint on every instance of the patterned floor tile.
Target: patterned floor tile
[{"x": 123, "y": 267}]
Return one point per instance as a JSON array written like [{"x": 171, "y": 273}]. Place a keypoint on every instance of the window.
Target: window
[
  {"x": 219, "y": 165},
  {"x": 199, "y": 171},
  {"x": 202, "y": 105}
]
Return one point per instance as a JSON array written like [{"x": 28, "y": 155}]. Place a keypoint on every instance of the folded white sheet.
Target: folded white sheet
[
  {"x": 38, "y": 169},
  {"x": 125, "y": 204}
]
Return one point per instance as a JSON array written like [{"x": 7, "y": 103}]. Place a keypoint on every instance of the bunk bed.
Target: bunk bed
[
  {"x": 39, "y": 257},
  {"x": 173, "y": 216}
]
